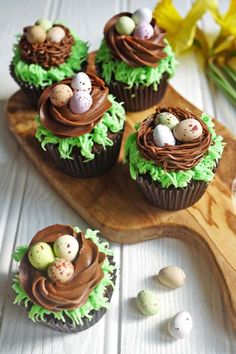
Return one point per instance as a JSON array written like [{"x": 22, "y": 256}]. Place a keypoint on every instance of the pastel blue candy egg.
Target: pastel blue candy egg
[
  {"x": 144, "y": 31},
  {"x": 82, "y": 82},
  {"x": 125, "y": 25},
  {"x": 80, "y": 102},
  {"x": 142, "y": 15},
  {"x": 162, "y": 135}
]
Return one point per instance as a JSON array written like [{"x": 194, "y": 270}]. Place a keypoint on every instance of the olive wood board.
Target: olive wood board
[{"x": 113, "y": 204}]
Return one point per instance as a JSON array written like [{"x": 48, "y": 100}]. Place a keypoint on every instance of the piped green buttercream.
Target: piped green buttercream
[
  {"x": 142, "y": 75},
  {"x": 113, "y": 120},
  {"x": 38, "y": 76},
  {"x": 203, "y": 171},
  {"x": 96, "y": 299}
]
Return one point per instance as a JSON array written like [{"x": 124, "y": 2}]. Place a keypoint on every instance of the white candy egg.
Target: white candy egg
[
  {"x": 162, "y": 135},
  {"x": 82, "y": 82},
  {"x": 66, "y": 247},
  {"x": 188, "y": 130},
  {"x": 56, "y": 34},
  {"x": 171, "y": 276},
  {"x": 80, "y": 102},
  {"x": 142, "y": 15},
  {"x": 180, "y": 325},
  {"x": 168, "y": 119}
]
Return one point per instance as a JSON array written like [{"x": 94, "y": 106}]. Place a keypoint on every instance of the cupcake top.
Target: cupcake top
[
  {"x": 135, "y": 38},
  {"x": 74, "y": 106}
]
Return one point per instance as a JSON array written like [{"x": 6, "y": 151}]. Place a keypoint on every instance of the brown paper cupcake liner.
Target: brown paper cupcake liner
[
  {"x": 103, "y": 161},
  {"x": 171, "y": 198}
]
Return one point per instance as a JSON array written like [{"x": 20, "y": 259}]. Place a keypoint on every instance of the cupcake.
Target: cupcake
[
  {"x": 44, "y": 54},
  {"x": 173, "y": 156},
  {"x": 65, "y": 279},
  {"x": 135, "y": 60}
]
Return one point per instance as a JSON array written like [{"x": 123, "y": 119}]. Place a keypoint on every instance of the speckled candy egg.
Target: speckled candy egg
[
  {"x": 36, "y": 34},
  {"x": 188, "y": 130},
  {"x": 180, "y": 325},
  {"x": 40, "y": 255},
  {"x": 56, "y": 34},
  {"x": 60, "y": 271},
  {"x": 142, "y": 15},
  {"x": 60, "y": 95},
  {"x": 80, "y": 102},
  {"x": 81, "y": 82},
  {"x": 144, "y": 31},
  {"x": 168, "y": 119},
  {"x": 148, "y": 302},
  {"x": 66, "y": 247},
  {"x": 125, "y": 25},
  {"x": 162, "y": 135},
  {"x": 46, "y": 24},
  {"x": 171, "y": 276}
]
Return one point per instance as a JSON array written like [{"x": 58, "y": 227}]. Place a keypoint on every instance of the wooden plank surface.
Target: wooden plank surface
[{"x": 28, "y": 203}]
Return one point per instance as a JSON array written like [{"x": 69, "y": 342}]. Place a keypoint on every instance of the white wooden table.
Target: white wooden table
[{"x": 28, "y": 203}]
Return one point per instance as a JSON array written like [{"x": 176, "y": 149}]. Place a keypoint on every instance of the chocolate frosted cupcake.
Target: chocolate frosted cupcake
[
  {"x": 44, "y": 54},
  {"x": 173, "y": 156},
  {"x": 65, "y": 279},
  {"x": 81, "y": 126},
  {"x": 135, "y": 59}
]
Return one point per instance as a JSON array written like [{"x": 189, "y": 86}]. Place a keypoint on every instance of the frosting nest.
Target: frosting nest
[
  {"x": 132, "y": 50},
  {"x": 180, "y": 157},
  {"x": 63, "y": 122},
  {"x": 75, "y": 292}
]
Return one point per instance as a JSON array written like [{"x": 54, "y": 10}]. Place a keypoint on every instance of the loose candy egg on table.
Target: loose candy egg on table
[
  {"x": 36, "y": 34},
  {"x": 125, "y": 25},
  {"x": 80, "y": 102},
  {"x": 148, "y": 302},
  {"x": 60, "y": 95},
  {"x": 43, "y": 22},
  {"x": 40, "y": 255},
  {"x": 56, "y": 34},
  {"x": 171, "y": 276},
  {"x": 162, "y": 135},
  {"x": 144, "y": 31},
  {"x": 66, "y": 247},
  {"x": 168, "y": 119},
  {"x": 82, "y": 82},
  {"x": 60, "y": 271},
  {"x": 188, "y": 130},
  {"x": 142, "y": 15},
  {"x": 180, "y": 325}
]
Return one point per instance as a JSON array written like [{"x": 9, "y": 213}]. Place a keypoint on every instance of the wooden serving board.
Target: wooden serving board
[{"x": 113, "y": 204}]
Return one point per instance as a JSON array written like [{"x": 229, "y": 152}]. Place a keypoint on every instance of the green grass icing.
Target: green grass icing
[
  {"x": 96, "y": 299},
  {"x": 203, "y": 171},
  {"x": 36, "y": 75},
  {"x": 142, "y": 75},
  {"x": 113, "y": 120}
]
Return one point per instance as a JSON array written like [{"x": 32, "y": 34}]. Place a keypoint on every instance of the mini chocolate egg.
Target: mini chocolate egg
[
  {"x": 80, "y": 102},
  {"x": 66, "y": 247},
  {"x": 144, "y": 31},
  {"x": 60, "y": 95},
  {"x": 167, "y": 119},
  {"x": 142, "y": 15},
  {"x": 125, "y": 25},
  {"x": 188, "y": 130},
  {"x": 40, "y": 255},
  {"x": 81, "y": 82},
  {"x": 60, "y": 271},
  {"x": 56, "y": 34},
  {"x": 148, "y": 302},
  {"x": 180, "y": 325},
  {"x": 171, "y": 276},
  {"x": 43, "y": 22},
  {"x": 162, "y": 135},
  {"x": 36, "y": 34}
]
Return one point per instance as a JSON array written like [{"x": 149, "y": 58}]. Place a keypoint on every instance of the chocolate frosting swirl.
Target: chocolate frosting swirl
[
  {"x": 132, "y": 50},
  {"x": 173, "y": 158},
  {"x": 63, "y": 122},
  {"x": 46, "y": 54},
  {"x": 75, "y": 292}
]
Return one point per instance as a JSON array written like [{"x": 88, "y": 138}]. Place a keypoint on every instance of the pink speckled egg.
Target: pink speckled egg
[
  {"x": 82, "y": 82},
  {"x": 80, "y": 102},
  {"x": 60, "y": 271},
  {"x": 60, "y": 95},
  {"x": 188, "y": 130},
  {"x": 144, "y": 31}
]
